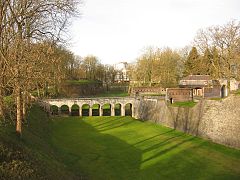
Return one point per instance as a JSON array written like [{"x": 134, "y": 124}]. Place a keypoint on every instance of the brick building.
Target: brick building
[
  {"x": 179, "y": 94},
  {"x": 194, "y": 86},
  {"x": 147, "y": 91},
  {"x": 204, "y": 86}
]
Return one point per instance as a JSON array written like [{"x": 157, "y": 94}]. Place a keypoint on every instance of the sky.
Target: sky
[{"x": 119, "y": 30}]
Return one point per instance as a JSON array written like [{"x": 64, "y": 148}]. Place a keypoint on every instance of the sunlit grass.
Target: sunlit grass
[
  {"x": 125, "y": 148},
  {"x": 184, "y": 104},
  {"x": 113, "y": 94}
]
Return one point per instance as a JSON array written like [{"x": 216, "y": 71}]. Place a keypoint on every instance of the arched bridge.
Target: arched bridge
[{"x": 109, "y": 106}]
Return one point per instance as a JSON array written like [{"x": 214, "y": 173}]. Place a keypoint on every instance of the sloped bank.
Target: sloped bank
[
  {"x": 218, "y": 121},
  {"x": 32, "y": 156}
]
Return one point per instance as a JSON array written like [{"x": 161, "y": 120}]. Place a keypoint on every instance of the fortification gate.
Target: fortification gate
[{"x": 80, "y": 102}]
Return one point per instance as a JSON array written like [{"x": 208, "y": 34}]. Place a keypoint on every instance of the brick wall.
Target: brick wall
[
  {"x": 147, "y": 90},
  {"x": 179, "y": 94},
  {"x": 214, "y": 92}
]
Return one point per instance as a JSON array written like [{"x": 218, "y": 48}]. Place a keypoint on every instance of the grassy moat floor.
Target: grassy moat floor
[{"x": 125, "y": 148}]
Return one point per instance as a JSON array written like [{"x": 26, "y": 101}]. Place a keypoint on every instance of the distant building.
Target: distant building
[
  {"x": 199, "y": 83},
  {"x": 147, "y": 91},
  {"x": 122, "y": 72},
  {"x": 179, "y": 94},
  {"x": 194, "y": 86}
]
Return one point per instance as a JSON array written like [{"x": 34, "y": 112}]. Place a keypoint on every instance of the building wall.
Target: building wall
[
  {"x": 179, "y": 94},
  {"x": 147, "y": 90},
  {"x": 214, "y": 92},
  {"x": 218, "y": 121},
  {"x": 234, "y": 85}
]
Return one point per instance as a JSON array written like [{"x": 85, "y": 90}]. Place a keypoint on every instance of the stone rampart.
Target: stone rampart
[{"x": 218, "y": 121}]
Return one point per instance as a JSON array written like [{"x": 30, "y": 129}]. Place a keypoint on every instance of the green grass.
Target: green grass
[
  {"x": 84, "y": 81},
  {"x": 113, "y": 94},
  {"x": 106, "y": 106},
  {"x": 32, "y": 156},
  {"x": 124, "y": 148},
  {"x": 184, "y": 104}
]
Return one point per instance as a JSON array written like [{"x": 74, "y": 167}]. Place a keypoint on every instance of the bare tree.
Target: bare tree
[
  {"x": 24, "y": 24},
  {"x": 226, "y": 41}
]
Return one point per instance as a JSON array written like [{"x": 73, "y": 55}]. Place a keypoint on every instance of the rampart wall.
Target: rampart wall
[{"x": 218, "y": 121}]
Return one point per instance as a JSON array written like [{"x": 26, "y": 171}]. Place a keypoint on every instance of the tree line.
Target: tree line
[
  {"x": 215, "y": 52},
  {"x": 90, "y": 68},
  {"x": 30, "y": 55},
  {"x": 33, "y": 58}
]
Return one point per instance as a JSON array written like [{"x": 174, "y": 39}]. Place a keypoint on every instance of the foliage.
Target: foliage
[
  {"x": 157, "y": 66},
  {"x": 124, "y": 148},
  {"x": 95, "y": 106},
  {"x": 85, "y": 106},
  {"x": 106, "y": 106},
  {"x": 30, "y": 55},
  {"x": 219, "y": 46},
  {"x": 90, "y": 68},
  {"x": 192, "y": 62}
]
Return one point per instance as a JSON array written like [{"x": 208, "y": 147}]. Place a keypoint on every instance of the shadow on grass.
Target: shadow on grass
[
  {"x": 101, "y": 156},
  {"x": 162, "y": 143},
  {"x": 166, "y": 150},
  {"x": 169, "y": 154},
  {"x": 153, "y": 137},
  {"x": 104, "y": 122},
  {"x": 114, "y": 126}
]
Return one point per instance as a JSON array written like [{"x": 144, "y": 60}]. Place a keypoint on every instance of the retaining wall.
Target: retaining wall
[{"x": 218, "y": 121}]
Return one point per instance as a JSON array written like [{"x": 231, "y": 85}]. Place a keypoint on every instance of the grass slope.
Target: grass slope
[
  {"x": 32, "y": 156},
  {"x": 184, "y": 104},
  {"x": 124, "y": 148},
  {"x": 112, "y": 94}
]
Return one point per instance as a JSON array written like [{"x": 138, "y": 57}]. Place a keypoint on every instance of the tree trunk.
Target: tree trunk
[
  {"x": 1, "y": 103},
  {"x": 19, "y": 111},
  {"x": 24, "y": 106}
]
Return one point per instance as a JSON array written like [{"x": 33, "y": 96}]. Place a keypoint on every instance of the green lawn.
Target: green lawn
[
  {"x": 83, "y": 81},
  {"x": 184, "y": 104},
  {"x": 124, "y": 148},
  {"x": 112, "y": 94}
]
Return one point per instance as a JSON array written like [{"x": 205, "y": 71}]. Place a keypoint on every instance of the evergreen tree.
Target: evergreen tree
[
  {"x": 206, "y": 63},
  {"x": 215, "y": 67},
  {"x": 192, "y": 62}
]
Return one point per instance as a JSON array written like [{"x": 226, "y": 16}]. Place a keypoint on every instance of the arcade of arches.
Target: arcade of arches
[
  {"x": 90, "y": 107},
  {"x": 95, "y": 110}
]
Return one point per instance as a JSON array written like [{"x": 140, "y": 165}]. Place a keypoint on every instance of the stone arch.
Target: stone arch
[
  {"x": 106, "y": 108},
  {"x": 64, "y": 109},
  {"x": 118, "y": 109},
  {"x": 128, "y": 109},
  {"x": 54, "y": 110},
  {"x": 96, "y": 108},
  {"x": 85, "y": 110},
  {"x": 75, "y": 110}
]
